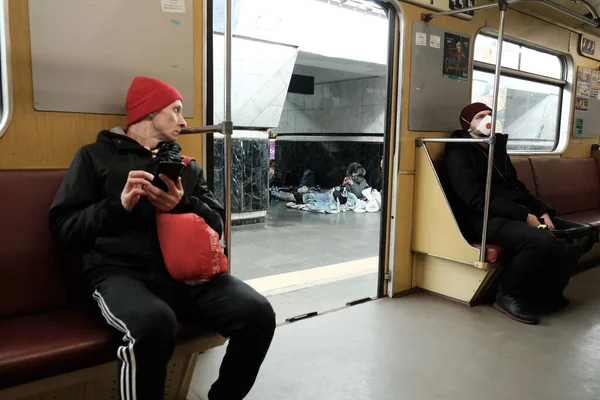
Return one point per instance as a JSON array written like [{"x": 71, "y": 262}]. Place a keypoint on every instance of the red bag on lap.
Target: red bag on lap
[{"x": 190, "y": 247}]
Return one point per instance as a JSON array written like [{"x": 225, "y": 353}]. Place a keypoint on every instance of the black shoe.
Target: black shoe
[{"x": 514, "y": 308}]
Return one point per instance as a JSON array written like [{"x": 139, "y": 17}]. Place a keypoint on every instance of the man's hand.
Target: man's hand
[
  {"x": 548, "y": 221},
  {"x": 532, "y": 220},
  {"x": 137, "y": 181},
  {"x": 165, "y": 201}
]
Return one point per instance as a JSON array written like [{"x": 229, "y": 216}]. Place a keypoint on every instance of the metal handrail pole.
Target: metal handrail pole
[
  {"x": 227, "y": 130},
  {"x": 503, "y": 5}
]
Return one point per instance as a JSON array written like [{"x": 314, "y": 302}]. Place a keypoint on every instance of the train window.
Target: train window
[{"x": 531, "y": 87}]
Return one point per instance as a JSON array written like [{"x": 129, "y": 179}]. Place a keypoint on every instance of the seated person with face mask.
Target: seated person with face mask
[{"x": 514, "y": 220}]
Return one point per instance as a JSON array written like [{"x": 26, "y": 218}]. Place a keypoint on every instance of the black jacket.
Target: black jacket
[
  {"x": 466, "y": 166},
  {"x": 87, "y": 214}
]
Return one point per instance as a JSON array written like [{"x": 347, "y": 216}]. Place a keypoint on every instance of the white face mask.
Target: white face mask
[{"x": 485, "y": 126}]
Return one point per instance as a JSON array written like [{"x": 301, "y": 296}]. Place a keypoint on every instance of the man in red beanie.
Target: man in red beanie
[
  {"x": 534, "y": 274},
  {"x": 105, "y": 208}
]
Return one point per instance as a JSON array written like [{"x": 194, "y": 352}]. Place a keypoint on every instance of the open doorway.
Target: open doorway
[{"x": 309, "y": 100}]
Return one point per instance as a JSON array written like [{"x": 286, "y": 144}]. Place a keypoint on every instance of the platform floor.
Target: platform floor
[
  {"x": 425, "y": 347},
  {"x": 292, "y": 240}
]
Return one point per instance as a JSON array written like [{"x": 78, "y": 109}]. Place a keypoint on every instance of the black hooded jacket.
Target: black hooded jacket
[
  {"x": 87, "y": 214},
  {"x": 466, "y": 166}
]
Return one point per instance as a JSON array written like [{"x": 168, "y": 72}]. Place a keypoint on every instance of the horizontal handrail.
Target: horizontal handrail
[
  {"x": 519, "y": 74},
  {"x": 548, "y": 3},
  {"x": 419, "y": 141},
  {"x": 429, "y": 16},
  {"x": 219, "y": 129},
  {"x": 202, "y": 129}
]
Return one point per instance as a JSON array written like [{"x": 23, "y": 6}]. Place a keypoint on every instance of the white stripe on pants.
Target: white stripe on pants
[{"x": 127, "y": 382}]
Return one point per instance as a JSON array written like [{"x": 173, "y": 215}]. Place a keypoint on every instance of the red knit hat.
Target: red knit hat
[
  {"x": 147, "y": 95},
  {"x": 469, "y": 112}
]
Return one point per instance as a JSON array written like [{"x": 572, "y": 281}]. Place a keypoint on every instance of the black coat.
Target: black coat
[
  {"x": 87, "y": 214},
  {"x": 466, "y": 168}
]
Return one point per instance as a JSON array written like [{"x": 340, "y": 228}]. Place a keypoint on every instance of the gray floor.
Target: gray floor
[
  {"x": 292, "y": 240},
  {"x": 425, "y": 347},
  {"x": 323, "y": 298}
]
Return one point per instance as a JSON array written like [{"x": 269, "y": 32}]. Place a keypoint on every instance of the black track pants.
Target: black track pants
[
  {"x": 146, "y": 309},
  {"x": 536, "y": 263}
]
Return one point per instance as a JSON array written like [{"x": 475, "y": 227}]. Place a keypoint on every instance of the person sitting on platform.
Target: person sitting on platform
[
  {"x": 532, "y": 255},
  {"x": 106, "y": 209},
  {"x": 355, "y": 181}
]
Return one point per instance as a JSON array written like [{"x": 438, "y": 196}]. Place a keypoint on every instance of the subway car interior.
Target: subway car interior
[{"x": 339, "y": 137}]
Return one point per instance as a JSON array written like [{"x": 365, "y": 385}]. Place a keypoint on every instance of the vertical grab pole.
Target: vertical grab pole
[
  {"x": 227, "y": 129},
  {"x": 502, "y": 4}
]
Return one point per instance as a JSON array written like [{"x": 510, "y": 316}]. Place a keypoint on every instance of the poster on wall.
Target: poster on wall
[
  {"x": 588, "y": 88},
  {"x": 581, "y": 104},
  {"x": 587, "y": 104},
  {"x": 456, "y": 57},
  {"x": 595, "y": 85},
  {"x": 584, "y": 88},
  {"x": 579, "y": 127}
]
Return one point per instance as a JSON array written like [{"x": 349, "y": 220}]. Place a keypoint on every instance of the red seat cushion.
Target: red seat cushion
[
  {"x": 40, "y": 346},
  {"x": 586, "y": 217},
  {"x": 492, "y": 252},
  {"x": 35, "y": 275},
  {"x": 525, "y": 172},
  {"x": 39, "y": 337},
  {"x": 569, "y": 185}
]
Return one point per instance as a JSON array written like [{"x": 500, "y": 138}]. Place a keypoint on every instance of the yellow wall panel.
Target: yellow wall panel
[
  {"x": 50, "y": 139},
  {"x": 403, "y": 271},
  {"x": 451, "y": 279}
]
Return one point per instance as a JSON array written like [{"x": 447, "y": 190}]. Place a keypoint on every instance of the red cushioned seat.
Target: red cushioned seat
[
  {"x": 569, "y": 185},
  {"x": 493, "y": 252},
  {"x": 49, "y": 324},
  {"x": 525, "y": 173},
  {"x": 57, "y": 342},
  {"x": 586, "y": 217},
  {"x": 38, "y": 346}
]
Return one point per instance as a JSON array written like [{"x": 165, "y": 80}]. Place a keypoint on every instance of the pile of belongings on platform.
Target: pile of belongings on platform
[
  {"x": 353, "y": 195},
  {"x": 337, "y": 200}
]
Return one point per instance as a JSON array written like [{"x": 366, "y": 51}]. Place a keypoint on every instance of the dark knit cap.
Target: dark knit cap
[{"x": 469, "y": 112}]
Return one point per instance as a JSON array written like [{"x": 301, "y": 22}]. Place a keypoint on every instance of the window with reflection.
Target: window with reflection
[{"x": 530, "y": 93}]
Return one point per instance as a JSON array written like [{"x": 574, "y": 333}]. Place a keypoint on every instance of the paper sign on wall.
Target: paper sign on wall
[
  {"x": 421, "y": 39},
  {"x": 434, "y": 41},
  {"x": 177, "y": 6},
  {"x": 579, "y": 126}
]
